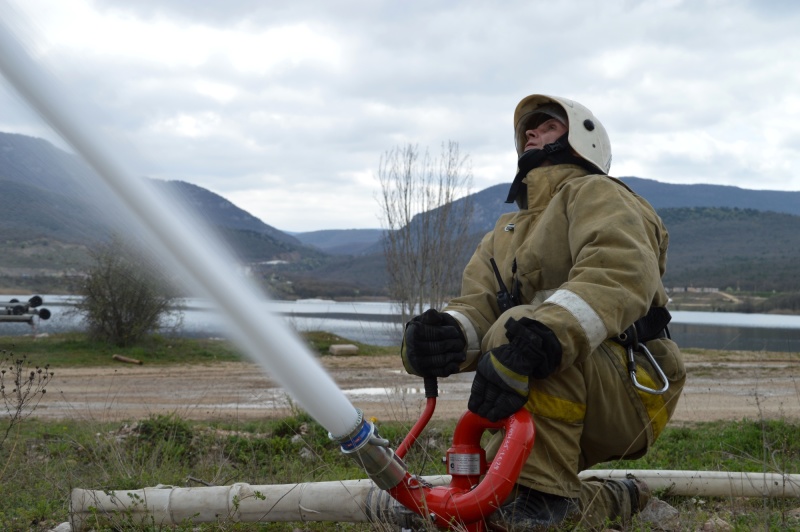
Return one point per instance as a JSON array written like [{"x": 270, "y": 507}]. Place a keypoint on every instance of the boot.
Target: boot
[
  {"x": 640, "y": 493},
  {"x": 534, "y": 510}
]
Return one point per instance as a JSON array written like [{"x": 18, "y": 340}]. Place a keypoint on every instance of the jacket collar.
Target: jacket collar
[{"x": 544, "y": 182}]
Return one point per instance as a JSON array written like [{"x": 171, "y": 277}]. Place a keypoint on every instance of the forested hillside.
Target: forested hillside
[
  {"x": 721, "y": 237},
  {"x": 670, "y": 196},
  {"x": 50, "y": 218},
  {"x": 740, "y": 249}
]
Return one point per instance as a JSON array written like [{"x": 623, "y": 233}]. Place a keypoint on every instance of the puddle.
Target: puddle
[{"x": 383, "y": 391}]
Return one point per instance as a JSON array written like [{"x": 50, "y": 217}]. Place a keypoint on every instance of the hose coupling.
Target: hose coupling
[{"x": 373, "y": 453}]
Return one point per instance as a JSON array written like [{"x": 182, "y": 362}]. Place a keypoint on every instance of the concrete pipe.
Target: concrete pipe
[
  {"x": 348, "y": 501},
  {"x": 709, "y": 483},
  {"x": 355, "y": 501}
]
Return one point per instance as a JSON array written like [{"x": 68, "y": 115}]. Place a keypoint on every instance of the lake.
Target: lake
[{"x": 375, "y": 323}]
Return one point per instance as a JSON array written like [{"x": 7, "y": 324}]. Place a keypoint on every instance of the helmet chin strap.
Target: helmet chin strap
[{"x": 557, "y": 152}]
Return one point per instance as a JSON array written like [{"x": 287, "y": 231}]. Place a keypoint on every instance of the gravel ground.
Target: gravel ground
[{"x": 720, "y": 386}]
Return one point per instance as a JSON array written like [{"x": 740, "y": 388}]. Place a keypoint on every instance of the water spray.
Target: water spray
[
  {"x": 203, "y": 265},
  {"x": 477, "y": 488}
]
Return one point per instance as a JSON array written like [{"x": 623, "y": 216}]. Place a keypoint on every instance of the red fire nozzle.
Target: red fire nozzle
[{"x": 477, "y": 487}]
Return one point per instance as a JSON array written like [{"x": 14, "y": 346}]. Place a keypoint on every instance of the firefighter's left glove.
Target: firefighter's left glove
[
  {"x": 502, "y": 380},
  {"x": 433, "y": 345}
]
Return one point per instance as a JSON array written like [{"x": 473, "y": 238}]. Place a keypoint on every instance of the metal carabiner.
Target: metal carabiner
[{"x": 632, "y": 370}]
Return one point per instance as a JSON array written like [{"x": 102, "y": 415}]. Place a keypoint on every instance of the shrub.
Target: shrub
[{"x": 124, "y": 297}]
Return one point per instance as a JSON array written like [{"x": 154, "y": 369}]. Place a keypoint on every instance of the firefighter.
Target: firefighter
[{"x": 562, "y": 312}]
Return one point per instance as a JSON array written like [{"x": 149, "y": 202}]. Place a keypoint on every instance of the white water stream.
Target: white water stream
[{"x": 175, "y": 241}]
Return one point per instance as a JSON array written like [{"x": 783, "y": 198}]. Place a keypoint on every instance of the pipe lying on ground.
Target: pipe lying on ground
[
  {"x": 710, "y": 483},
  {"x": 348, "y": 501},
  {"x": 354, "y": 501}
]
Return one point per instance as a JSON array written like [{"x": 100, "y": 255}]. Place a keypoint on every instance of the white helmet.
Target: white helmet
[{"x": 587, "y": 136}]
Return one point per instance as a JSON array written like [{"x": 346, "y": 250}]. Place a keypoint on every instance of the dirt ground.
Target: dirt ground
[{"x": 720, "y": 386}]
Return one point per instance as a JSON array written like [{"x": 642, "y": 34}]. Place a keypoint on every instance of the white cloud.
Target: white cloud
[
  {"x": 285, "y": 108},
  {"x": 221, "y": 92}
]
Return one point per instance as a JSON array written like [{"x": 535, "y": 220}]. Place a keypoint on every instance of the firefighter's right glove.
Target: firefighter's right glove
[
  {"x": 502, "y": 380},
  {"x": 433, "y": 345}
]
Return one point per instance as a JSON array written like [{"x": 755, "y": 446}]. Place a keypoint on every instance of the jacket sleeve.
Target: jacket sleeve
[
  {"x": 615, "y": 275},
  {"x": 476, "y": 308}
]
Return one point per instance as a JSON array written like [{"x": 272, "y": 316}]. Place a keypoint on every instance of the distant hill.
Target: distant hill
[
  {"x": 742, "y": 249},
  {"x": 220, "y": 212},
  {"x": 49, "y": 215},
  {"x": 28, "y": 212},
  {"x": 342, "y": 276},
  {"x": 39, "y": 164},
  {"x": 489, "y": 204},
  {"x": 341, "y": 241},
  {"x": 721, "y": 236},
  {"x": 665, "y": 195},
  {"x": 721, "y": 245}
]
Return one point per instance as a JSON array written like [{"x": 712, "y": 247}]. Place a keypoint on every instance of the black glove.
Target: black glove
[
  {"x": 501, "y": 383},
  {"x": 433, "y": 345}
]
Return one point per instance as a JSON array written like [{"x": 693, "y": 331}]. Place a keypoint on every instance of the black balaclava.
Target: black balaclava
[{"x": 557, "y": 152}]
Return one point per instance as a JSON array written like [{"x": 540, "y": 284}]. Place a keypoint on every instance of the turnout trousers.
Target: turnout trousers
[{"x": 591, "y": 413}]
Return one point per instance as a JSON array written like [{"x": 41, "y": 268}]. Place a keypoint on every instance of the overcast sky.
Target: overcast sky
[{"x": 285, "y": 107}]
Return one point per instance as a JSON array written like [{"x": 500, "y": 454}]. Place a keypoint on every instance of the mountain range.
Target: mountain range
[{"x": 720, "y": 236}]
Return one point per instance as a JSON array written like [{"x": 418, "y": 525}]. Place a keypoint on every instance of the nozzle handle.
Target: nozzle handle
[{"x": 431, "y": 387}]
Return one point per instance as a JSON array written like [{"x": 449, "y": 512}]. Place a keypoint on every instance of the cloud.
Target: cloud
[{"x": 286, "y": 107}]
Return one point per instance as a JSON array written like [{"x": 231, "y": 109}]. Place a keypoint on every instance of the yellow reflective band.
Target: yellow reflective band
[
  {"x": 655, "y": 405},
  {"x": 552, "y": 407},
  {"x": 513, "y": 380}
]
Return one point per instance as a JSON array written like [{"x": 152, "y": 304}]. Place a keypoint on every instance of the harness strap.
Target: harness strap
[{"x": 649, "y": 327}]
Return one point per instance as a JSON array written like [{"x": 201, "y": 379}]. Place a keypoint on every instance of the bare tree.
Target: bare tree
[
  {"x": 124, "y": 296},
  {"x": 426, "y": 210}
]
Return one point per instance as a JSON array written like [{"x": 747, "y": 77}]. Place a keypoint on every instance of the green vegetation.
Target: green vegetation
[
  {"x": 736, "y": 249},
  {"x": 755, "y": 446},
  {"x": 254, "y": 246},
  {"x": 337, "y": 277},
  {"x": 124, "y": 298},
  {"x": 76, "y": 350},
  {"x": 765, "y": 446},
  {"x": 788, "y": 303},
  {"x": 737, "y": 301},
  {"x": 41, "y": 460},
  {"x": 44, "y": 460},
  {"x": 321, "y": 342}
]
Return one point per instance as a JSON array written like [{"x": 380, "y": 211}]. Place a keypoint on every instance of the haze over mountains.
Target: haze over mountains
[{"x": 721, "y": 236}]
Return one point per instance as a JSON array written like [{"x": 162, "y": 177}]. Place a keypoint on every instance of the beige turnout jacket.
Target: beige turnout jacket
[{"x": 589, "y": 257}]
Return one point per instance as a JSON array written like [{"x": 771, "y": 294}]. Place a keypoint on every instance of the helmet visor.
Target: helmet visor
[{"x": 537, "y": 117}]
